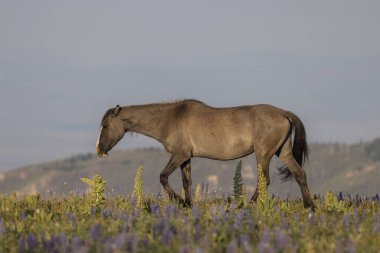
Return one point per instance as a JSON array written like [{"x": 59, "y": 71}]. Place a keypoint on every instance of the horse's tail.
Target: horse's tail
[{"x": 300, "y": 147}]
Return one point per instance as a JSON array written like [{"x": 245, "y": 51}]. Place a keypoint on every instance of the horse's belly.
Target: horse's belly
[{"x": 223, "y": 148}]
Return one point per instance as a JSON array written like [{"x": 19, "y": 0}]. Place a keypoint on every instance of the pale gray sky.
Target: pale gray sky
[{"x": 63, "y": 63}]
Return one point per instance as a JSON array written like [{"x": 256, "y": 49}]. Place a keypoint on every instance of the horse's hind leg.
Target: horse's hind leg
[
  {"x": 288, "y": 159},
  {"x": 186, "y": 180}
]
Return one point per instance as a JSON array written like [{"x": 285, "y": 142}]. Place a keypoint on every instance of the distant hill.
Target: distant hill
[{"x": 337, "y": 167}]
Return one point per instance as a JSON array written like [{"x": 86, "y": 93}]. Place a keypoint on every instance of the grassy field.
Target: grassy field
[{"x": 100, "y": 222}]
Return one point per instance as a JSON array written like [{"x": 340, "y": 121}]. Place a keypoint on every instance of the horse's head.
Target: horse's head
[{"x": 112, "y": 129}]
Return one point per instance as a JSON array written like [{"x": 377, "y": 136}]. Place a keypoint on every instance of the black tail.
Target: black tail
[{"x": 300, "y": 147}]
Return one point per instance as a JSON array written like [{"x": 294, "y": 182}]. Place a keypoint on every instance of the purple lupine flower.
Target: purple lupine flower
[
  {"x": 133, "y": 201},
  {"x": 351, "y": 247},
  {"x": 167, "y": 233},
  {"x": 31, "y": 241},
  {"x": 159, "y": 227},
  {"x": 232, "y": 247},
  {"x": 251, "y": 224},
  {"x": 282, "y": 217},
  {"x": 245, "y": 243},
  {"x": 77, "y": 245},
  {"x": 49, "y": 244},
  {"x": 107, "y": 213},
  {"x": 345, "y": 245},
  {"x": 198, "y": 231},
  {"x": 96, "y": 232},
  {"x": 2, "y": 227},
  {"x": 232, "y": 207},
  {"x": 156, "y": 230},
  {"x": 340, "y": 196},
  {"x": 355, "y": 218},
  {"x": 264, "y": 244},
  {"x": 62, "y": 238},
  {"x": 377, "y": 198},
  {"x": 171, "y": 211},
  {"x": 213, "y": 214},
  {"x": 123, "y": 217},
  {"x": 196, "y": 212},
  {"x": 221, "y": 211},
  {"x": 215, "y": 219},
  {"x": 364, "y": 214},
  {"x": 166, "y": 236},
  {"x": 211, "y": 211},
  {"x": 206, "y": 242},
  {"x": 357, "y": 199},
  {"x": 72, "y": 218},
  {"x": 108, "y": 245},
  {"x": 119, "y": 241},
  {"x": 282, "y": 239},
  {"x": 135, "y": 213},
  {"x": 155, "y": 209},
  {"x": 185, "y": 249},
  {"x": 345, "y": 222},
  {"x": 224, "y": 214},
  {"x": 22, "y": 216},
  {"x": 239, "y": 219},
  {"x": 132, "y": 242},
  {"x": 21, "y": 245},
  {"x": 145, "y": 242}
]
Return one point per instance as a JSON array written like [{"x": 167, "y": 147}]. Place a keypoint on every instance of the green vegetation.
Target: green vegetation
[
  {"x": 96, "y": 198},
  {"x": 31, "y": 223}
]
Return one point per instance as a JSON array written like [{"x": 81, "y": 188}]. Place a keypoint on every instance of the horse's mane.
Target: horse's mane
[
  {"x": 166, "y": 104},
  {"x": 159, "y": 106}
]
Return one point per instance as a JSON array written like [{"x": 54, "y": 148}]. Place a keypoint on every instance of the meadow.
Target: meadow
[{"x": 217, "y": 222}]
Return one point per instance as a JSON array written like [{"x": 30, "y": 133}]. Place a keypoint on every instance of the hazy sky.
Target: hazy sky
[{"x": 64, "y": 63}]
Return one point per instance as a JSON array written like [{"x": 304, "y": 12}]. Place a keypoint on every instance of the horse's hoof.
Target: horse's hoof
[{"x": 187, "y": 204}]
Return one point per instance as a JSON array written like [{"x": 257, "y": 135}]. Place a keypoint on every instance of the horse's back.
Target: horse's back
[{"x": 223, "y": 133}]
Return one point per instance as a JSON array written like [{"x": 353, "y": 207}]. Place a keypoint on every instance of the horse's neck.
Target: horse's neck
[{"x": 147, "y": 119}]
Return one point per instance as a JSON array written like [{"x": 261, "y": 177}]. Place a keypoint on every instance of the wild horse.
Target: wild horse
[{"x": 190, "y": 128}]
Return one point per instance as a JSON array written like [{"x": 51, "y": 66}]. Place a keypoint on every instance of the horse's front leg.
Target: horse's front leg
[
  {"x": 172, "y": 165},
  {"x": 186, "y": 180}
]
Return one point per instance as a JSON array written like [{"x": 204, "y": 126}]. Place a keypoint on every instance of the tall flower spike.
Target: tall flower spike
[
  {"x": 137, "y": 191},
  {"x": 262, "y": 184}
]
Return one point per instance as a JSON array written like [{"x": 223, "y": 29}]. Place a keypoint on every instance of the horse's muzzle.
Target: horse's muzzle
[{"x": 100, "y": 153}]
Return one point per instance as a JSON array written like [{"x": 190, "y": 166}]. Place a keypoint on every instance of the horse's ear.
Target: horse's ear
[{"x": 116, "y": 110}]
